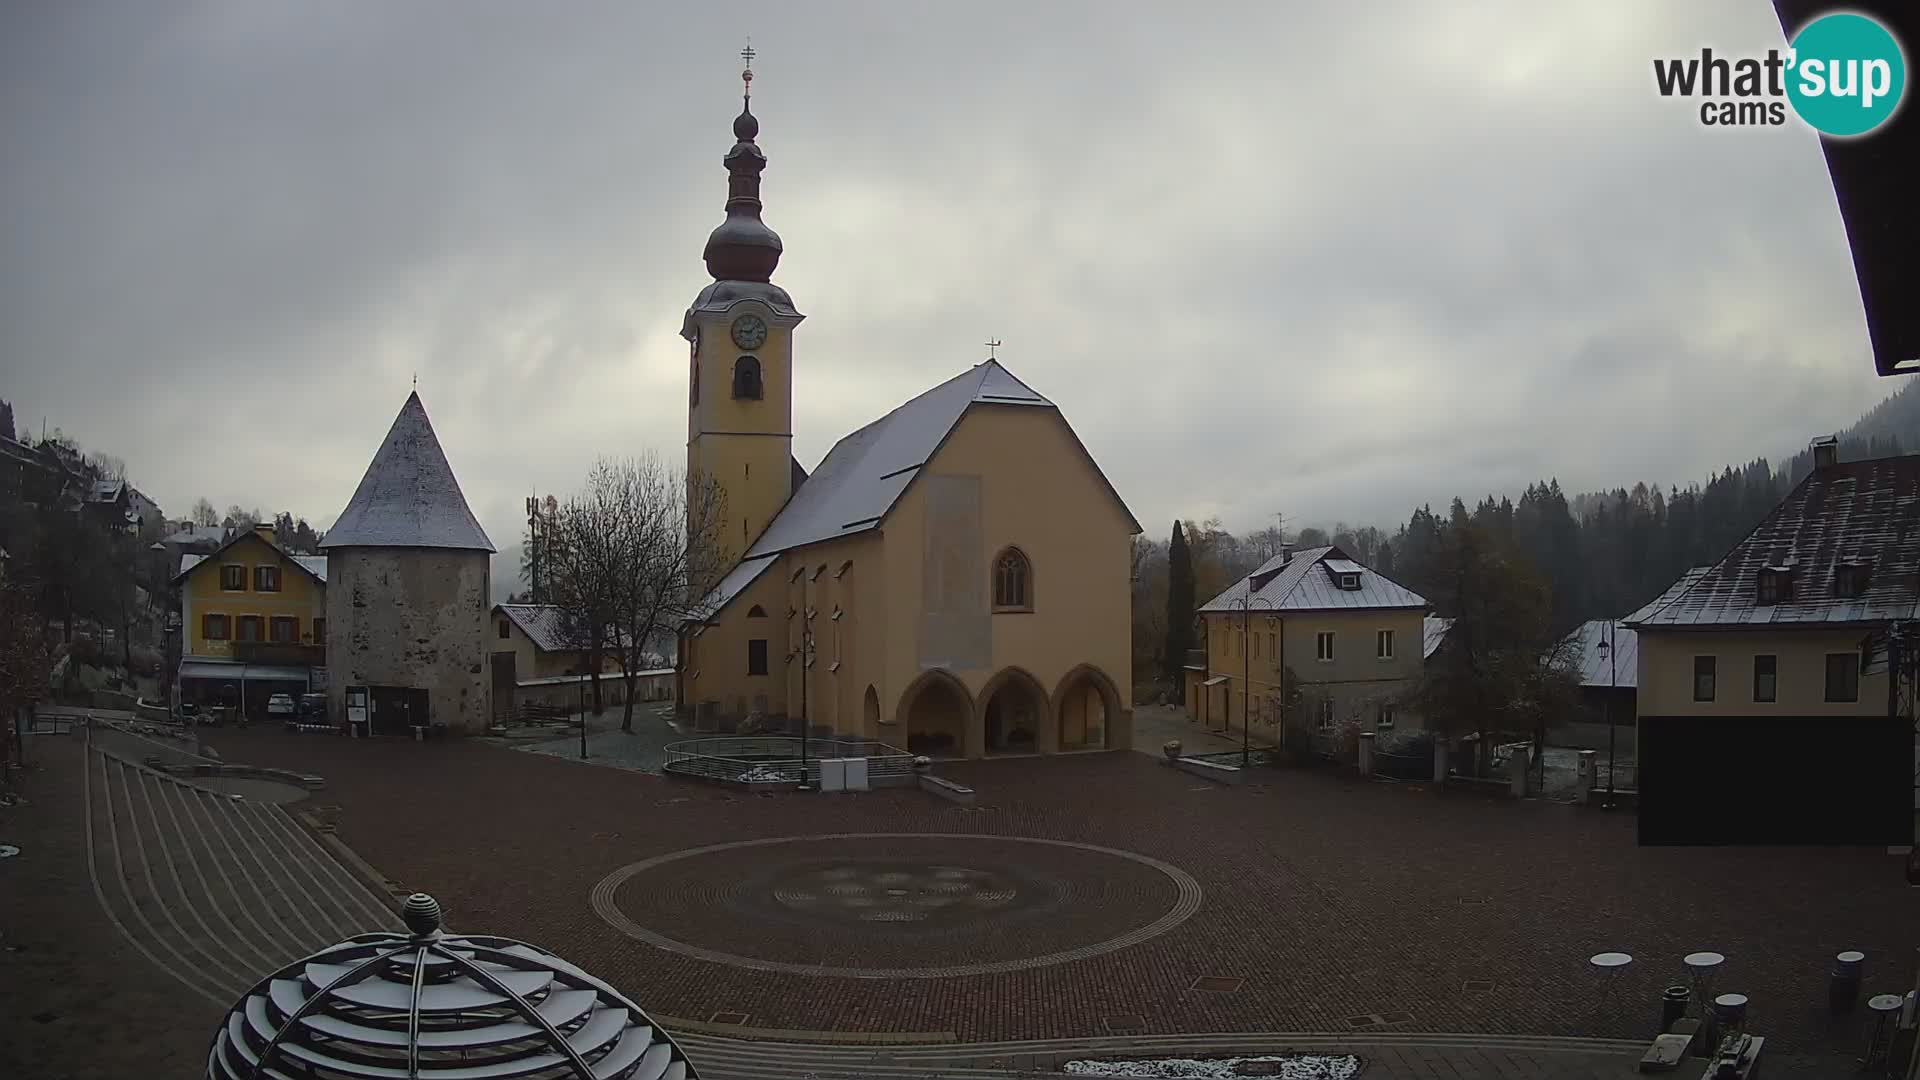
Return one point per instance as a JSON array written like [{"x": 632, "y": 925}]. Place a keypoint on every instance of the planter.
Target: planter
[{"x": 1171, "y": 748}]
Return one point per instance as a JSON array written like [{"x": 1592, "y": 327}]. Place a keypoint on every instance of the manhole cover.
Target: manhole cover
[
  {"x": 734, "y": 1018},
  {"x": 1126, "y": 1022},
  {"x": 1368, "y": 1020},
  {"x": 1219, "y": 984},
  {"x": 1395, "y": 1017},
  {"x": 8, "y": 851}
]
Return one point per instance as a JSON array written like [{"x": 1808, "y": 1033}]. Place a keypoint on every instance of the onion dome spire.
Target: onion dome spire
[{"x": 743, "y": 248}]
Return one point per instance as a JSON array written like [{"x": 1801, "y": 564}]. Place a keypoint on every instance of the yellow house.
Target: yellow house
[
  {"x": 952, "y": 578},
  {"x": 1781, "y": 626},
  {"x": 252, "y": 620},
  {"x": 535, "y": 662},
  {"x": 1354, "y": 640}
]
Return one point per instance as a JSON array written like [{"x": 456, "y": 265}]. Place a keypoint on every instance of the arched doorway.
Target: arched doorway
[
  {"x": 934, "y": 713},
  {"x": 1086, "y": 707},
  {"x": 870, "y": 714},
  {"x": 1012, "y": 711}
]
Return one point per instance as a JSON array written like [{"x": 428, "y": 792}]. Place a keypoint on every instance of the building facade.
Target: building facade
[
  {"x": 952, "y": 578},
  {"x": 1354, "y": 641},
  {"x": 253, "y": 622},
  {"x": 407, "y": 610}
]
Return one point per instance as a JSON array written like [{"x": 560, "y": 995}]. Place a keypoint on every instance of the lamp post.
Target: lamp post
[
  {"x": 583, "y": 712},
  {"x": 1246, "y": 673},
  {"x": 170, "y": 631},
  {"x": 805, "y": 656},
  {"x": 1613, "y": 684}
]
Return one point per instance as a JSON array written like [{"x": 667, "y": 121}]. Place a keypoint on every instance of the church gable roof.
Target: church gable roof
[
  {"x": 409, "y": 497},
  {"x": 865, "y": 473}
]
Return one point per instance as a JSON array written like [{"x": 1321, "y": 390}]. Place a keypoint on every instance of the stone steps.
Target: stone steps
[{"x": 220, "y": 891}]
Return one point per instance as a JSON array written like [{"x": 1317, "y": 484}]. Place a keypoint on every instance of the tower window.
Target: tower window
[
  {"x": 746, "y": 378},
  {"x": 756, "y": 612},
  {"x": 1012, "y": 581},
  {"x": 757, "y": 656}
]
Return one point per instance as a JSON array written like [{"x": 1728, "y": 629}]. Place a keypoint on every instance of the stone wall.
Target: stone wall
[{"x": 415, "y": 617}]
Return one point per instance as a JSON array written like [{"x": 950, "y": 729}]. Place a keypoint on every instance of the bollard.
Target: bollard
[
  {"x": 1673, "y": 1006},
  {"x": 1843, "y": 990},
  {"x": 1366, "y": 753}
]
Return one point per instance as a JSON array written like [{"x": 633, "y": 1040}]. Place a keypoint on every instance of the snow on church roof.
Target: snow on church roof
[
  {"x": 864, "y": 474},
  {"x": 409, "y": 497}
]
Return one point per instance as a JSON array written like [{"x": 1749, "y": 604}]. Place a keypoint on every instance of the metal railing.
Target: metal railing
[{"x": 776, "y": 759}]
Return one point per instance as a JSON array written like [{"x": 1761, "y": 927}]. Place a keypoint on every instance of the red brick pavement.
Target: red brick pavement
[{"x": 1330, "y": 897}]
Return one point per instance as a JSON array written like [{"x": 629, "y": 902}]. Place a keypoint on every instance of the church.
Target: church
[{"x": 951, "y": 579}]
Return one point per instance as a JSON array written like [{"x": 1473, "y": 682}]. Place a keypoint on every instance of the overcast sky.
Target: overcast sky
[{"x": 1331, "y": 261}]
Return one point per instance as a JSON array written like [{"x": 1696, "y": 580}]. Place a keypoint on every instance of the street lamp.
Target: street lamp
[
  {"x": 804, "y": 654},
  {"x": 583, "y": 712},
  {"x": 1613, "y": 684},
  {"x": 1246, "y": 672},
  {"x": 170, "y": 630}
]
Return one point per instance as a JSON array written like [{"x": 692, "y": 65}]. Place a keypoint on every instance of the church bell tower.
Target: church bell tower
[{"x": 740, "y": 333}]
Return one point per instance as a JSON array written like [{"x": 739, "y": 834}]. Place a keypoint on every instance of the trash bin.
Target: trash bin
[
  {"x": 1673, "y": 1006},
  {"x": 1843, "y": 990}
]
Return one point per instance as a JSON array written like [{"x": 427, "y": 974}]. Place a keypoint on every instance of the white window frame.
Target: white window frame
[
  {"x": 1383, "y": 644},
  {"x": 1383, "y": 717},
  {"x": 1324, "y": 721},
  {"x": 1323, "y": 647}
]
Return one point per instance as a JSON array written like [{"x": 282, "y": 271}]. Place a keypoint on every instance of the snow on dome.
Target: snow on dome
[
  {"x": 427, "y": 1004},
  {"x": 409, "y": 497}
]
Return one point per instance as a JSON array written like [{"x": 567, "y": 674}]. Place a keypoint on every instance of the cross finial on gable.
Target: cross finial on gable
[{"x": 991, "y": 346}]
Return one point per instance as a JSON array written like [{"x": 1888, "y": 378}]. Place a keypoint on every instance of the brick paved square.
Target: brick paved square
[{"x": 1335, "y": 897}]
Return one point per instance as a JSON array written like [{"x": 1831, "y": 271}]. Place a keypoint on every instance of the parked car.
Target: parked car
[
  {"x": 312, "y": 709},
  {"x": 280, "y": 705}
]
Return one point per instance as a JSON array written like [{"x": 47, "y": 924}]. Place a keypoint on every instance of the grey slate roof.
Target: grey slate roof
[
  {"x": 1857, "y": 509},
  {"x": 1686, "y": 582},
  {"x": 408, "y": 498},
  {"x": 1433, "y": 633},
  {"x": 1299, "y": 581},
  {"x": 312, "y": 564},
  {"x": 745, "y": 573},
  {"x": 544, "y": 623},
  {"x": 1594, "y": 668},
  {"x": 864, "y": 474}
]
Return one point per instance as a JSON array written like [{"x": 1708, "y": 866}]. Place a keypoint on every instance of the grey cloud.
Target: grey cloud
[{"x": 1264, "y": 258}]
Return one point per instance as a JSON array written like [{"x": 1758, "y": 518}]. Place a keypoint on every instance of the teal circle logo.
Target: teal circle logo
[{"x": 1847, "y": 74}]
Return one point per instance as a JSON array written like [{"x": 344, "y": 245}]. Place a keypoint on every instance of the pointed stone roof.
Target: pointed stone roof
[{"x": 409, "y": 497}]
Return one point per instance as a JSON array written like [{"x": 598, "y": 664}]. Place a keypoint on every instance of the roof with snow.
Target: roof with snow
[
  {"x": 1686, "y": 582},
  {"x": 1433, "y": 632},
  {"x": 546, "y": 624},
  {"x": 408, "y": 498},
  {"x": 314, "y": 565},
  {"x": 1616, "y": 666},
  {"x": 1864, "y": 515},
  {"x": 865, "y": 473},
  {"x": 1307, "y": 581}
]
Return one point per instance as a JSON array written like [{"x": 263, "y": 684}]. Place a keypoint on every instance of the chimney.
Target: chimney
[
  {"x": 263, "y": 530},
  {"x": 1826, "y": 451}
]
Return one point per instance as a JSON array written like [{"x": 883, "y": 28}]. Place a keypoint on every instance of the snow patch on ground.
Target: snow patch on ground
[
  {"x": 1285, "y": 1066},
  {"x": 760, "y": 774}
]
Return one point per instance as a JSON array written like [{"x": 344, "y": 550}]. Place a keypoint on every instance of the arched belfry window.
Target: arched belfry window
[
  {"x": 1012, "y": 581},
  {"x": 756, "y": 612},
  {"x": 746, "y": 378}
]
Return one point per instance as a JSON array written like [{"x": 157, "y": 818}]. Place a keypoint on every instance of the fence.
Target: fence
[{"x": 778, "y": 759}]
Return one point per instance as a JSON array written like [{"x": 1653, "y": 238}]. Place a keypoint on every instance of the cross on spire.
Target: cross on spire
[
  {"x": 991, "y": 346},
  {"x": 746, "y": 76}
]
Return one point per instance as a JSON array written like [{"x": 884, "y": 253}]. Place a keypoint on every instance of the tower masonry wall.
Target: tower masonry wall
[{"x": 411, "y": 617}]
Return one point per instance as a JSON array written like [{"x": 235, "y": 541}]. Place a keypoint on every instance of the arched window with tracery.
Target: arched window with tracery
[{"x": 1012, "y": 581}]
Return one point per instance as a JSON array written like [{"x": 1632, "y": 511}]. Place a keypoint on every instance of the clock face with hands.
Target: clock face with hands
[{"x": 749, "y": 332}]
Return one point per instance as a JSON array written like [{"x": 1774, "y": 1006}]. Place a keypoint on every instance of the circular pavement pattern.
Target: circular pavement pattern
[{"x": 896, "y": 905}]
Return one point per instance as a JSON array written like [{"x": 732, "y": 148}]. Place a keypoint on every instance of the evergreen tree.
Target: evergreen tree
[{"x": 1180, "y": 603}]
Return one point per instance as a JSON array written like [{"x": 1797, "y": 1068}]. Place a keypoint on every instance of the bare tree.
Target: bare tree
[
  {"x": 627, "y": 554},
  {"x": 25, "y": 660},
  {"x": 203, "y": 513}
]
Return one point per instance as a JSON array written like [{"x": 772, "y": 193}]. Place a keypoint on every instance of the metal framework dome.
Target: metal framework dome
[{"x": 435, "y": 1007}]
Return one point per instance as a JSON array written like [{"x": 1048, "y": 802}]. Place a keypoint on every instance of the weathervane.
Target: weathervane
[{"x": 991, "y": 346}]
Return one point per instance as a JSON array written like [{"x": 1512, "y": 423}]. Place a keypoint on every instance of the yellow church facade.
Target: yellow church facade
[{"x": 951, "y": 579}]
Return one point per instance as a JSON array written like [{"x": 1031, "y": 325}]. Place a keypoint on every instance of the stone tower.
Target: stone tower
[
  {"x": 740, "y": 329},
  {"x": 409, "y": 591}
]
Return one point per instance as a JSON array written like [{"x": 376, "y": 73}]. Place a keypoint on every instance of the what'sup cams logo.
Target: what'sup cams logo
[{"x": 1843, "y": 74}]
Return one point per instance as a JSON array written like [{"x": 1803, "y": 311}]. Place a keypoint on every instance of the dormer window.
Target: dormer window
[
  {"x": 1350, "y": 582},
  {"x": 1850, "y": 577},
  {"x": 1775, "y": 586},
  {"x": 1345, "y": 574}
]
